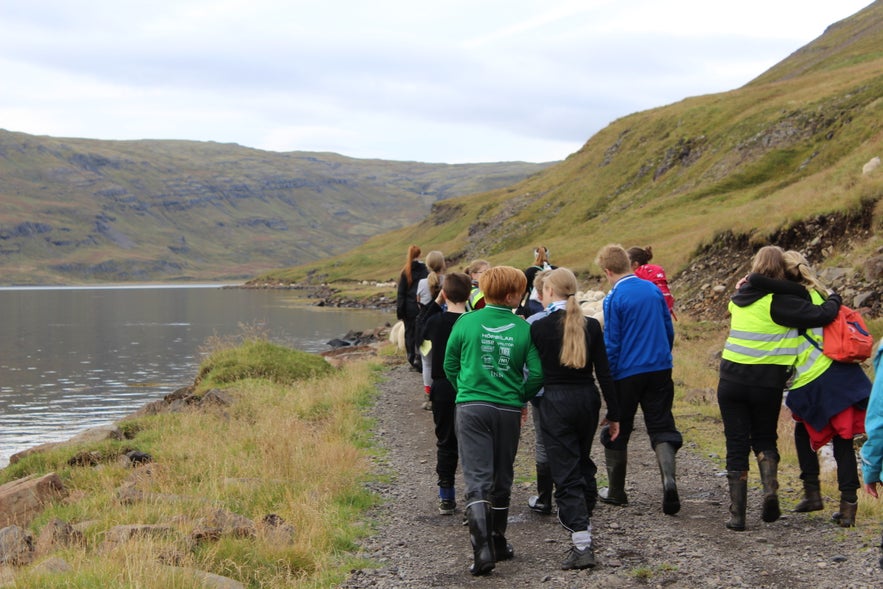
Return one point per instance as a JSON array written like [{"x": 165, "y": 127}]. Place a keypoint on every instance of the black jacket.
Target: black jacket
[{"x": 406, "y": 296}]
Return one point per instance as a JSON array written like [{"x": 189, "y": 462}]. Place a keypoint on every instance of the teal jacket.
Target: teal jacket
[
  {"x": 487, "y": 354},
  {"x": 872, "y": 449}
]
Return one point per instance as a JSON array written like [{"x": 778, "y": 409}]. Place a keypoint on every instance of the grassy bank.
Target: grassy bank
[{"x": 292, "y": 447}]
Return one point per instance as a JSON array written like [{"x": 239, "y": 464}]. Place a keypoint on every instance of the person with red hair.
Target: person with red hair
[{"x": 406, "y": 303}]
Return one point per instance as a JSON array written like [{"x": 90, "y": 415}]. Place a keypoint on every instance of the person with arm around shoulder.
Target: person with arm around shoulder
[
  {"x": 485, "y": 359},
  {"x": 827, "y": 398},
  {"x": 756, "y": 363}
]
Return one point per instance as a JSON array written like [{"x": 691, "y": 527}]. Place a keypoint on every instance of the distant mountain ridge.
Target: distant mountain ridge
[{"x": 79, "y": 210}]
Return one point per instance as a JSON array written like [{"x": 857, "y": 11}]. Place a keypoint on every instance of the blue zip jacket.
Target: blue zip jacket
[
  {"x": 638, "y": 331},
  {"x": 872, "y": 450}
]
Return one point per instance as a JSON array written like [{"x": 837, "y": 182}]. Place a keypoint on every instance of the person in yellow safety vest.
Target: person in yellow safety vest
[
  {"x": 828, "y": 399},
  {"x": 476, "y": 297},
  {"x": 756, "y": 362}
]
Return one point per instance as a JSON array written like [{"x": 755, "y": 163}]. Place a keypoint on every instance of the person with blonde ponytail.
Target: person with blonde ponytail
[
  {"x": 827, "y": 399},
  {"x": 572, "y": 352}
]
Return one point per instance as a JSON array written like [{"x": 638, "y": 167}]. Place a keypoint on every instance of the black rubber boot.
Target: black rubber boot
[
  {"x": 769, "y": 473},
  {"x": 812, "y": 498},
  {"x": 617, "y": 462},
  {"x": 479, "y": 517},
  {"x": 665, "y": 455},
  {"x": 542, "y": 502},
  {"x": 738, "y": 481},
  {"x": 502, "y": 549}
]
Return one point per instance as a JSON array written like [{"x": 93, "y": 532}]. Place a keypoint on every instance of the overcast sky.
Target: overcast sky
[{"x": 445, "y": 81}]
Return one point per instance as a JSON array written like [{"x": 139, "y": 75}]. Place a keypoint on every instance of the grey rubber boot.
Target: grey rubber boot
[
  {"x": 617, "y": 462},
  {"x": 665, "y": 455},
  {"x": 738, "y": 482},
  {"x": 769, "y": 473}
]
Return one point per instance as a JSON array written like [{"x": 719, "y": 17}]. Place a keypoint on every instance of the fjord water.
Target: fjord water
[{"x": 75, "y": 358}]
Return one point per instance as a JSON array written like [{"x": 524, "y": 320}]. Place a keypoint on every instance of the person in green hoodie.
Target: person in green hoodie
[{"x": 487, "y": 355}]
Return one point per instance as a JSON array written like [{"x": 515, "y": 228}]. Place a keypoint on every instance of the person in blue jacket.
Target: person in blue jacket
[
  {"x": 638, "y": 335},
  {"x": 872, "y": 449}
]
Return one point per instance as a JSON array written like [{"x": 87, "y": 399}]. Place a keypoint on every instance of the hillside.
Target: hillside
[
  {"x": 705, "y": 181},
  {"x": 77, "y": 210}
]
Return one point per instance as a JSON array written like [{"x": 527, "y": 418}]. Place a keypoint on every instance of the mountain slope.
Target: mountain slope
[
  {"x": 79, "y": 210},
  {"x": 737, "y": 168}
]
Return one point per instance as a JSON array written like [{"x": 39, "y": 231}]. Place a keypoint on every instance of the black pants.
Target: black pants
[
  {"x": 442, "y": 395},
  {"x": 751, "y": 417},
  {"x": 844, "y": 455},
  {"x": 654, "y": 392},
  {"x": 411, "y": 346},
  {"x": 569, "y": 420}
]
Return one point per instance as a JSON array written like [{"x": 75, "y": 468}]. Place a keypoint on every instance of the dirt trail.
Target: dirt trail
[{"x": 636, "y": 546}]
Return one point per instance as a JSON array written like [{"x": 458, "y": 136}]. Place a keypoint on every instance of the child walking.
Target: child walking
[
  {"x": 485, "y": 358},
  {"x": 437, "y": 330}
]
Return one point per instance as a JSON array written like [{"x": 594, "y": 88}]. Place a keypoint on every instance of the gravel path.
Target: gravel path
[{"x": 636, "y": 546}]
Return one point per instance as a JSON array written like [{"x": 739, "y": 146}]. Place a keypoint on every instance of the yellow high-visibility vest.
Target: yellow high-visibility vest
[{"x": 756, "y": 339}]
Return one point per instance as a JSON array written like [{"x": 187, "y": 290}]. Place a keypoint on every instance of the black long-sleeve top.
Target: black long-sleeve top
[{"x": 548, "y": 333}]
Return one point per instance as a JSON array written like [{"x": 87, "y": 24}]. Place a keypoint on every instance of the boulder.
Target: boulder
[
  {"x": 16, "y": 546},
  {"x": 23, "y": 499}
]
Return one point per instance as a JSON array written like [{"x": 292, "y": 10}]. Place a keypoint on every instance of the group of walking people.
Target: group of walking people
[{"x": 488, "y": 363}]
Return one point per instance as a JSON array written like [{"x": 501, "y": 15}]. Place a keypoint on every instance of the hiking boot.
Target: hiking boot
[
  {"x": 845, "y": 517},
  {"x": 427, "y": 405},
  {"x": 812, "y": 501},
  {"x": 447, "y": 506},
  {"x": 579, "y": 559}
]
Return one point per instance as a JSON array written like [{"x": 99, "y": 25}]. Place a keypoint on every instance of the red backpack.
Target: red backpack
[{"x": 846, "y": 339}]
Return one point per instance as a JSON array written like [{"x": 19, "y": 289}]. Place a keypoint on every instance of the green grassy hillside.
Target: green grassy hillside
[
  {"x": 736, "y": 168},
  {"x": 76, "y": 210}
]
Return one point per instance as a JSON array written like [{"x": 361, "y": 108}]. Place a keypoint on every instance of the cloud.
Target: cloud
[{"x": 454, "y": 81}]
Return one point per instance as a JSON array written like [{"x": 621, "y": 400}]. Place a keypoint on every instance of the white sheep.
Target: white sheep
[
  {"x": 871, "y": 165},
  {"x": 592, "y": 302},
  {"x": 397, "y": 335}
]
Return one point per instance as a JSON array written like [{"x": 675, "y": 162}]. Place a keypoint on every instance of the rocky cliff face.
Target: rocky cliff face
[{"x": 82, "y": 210}]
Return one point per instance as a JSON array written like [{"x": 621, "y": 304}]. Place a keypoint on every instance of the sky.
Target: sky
[{"x": 450, "y": 81}]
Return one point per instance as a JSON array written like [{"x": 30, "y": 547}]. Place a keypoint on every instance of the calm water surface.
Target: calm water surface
[{"x": 75, "y": 358}]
